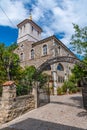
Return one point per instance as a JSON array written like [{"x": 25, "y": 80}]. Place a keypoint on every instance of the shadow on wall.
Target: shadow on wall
[
  {"x": 34, "y": 124},
  {"x": 77, "y": 102},
  {"x": 82, "y": 114}
]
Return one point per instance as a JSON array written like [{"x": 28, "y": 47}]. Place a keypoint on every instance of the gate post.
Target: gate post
[
  {"x": 8, "y": 98},
  {"x": 84, "y": 92},
  {"x": 36, "y": 94}
]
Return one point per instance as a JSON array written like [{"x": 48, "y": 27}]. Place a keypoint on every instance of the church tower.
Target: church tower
[{"x": 28, "y": 30}]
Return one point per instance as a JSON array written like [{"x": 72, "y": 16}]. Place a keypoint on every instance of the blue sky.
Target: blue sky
[
  {"x": 8, "y": 35},
  {"x": 54, "y": 16}
]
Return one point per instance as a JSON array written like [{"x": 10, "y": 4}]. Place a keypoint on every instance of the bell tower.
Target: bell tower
[{"x": 28, "y": 30}]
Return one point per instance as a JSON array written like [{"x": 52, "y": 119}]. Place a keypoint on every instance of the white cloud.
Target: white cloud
[
  {"x": 13, "y": 10},
  {"x": 54, "y": 16},
  {"x": 64, "y": 13}
]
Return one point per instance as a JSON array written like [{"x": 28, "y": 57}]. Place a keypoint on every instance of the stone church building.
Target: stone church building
[{"x": 33, "y": 50}]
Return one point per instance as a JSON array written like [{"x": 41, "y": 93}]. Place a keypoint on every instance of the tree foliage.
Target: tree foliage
[
  {"x": 9, "y": 68},
  {"x": 42, "y": 78},
  {"x": 80, "y": 72},
  {"x": 29, "y": 77},
  {"x": 79, "y": 40},
  {"x": 79, "y": 44}
]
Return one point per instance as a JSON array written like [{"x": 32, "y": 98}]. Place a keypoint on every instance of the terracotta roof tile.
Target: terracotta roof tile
[{"x": 8, "y": 83}]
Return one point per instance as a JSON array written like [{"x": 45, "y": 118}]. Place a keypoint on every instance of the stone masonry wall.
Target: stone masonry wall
[
  {"x": 12, "y": 106},
  {"x": 20, "y": 105},
  {"x": 26, "y": 46},
  {"x": 0, "y": 102},
  {"x": 24, "y": 104}
]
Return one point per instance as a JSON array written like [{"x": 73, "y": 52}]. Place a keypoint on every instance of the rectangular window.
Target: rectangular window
[
  {"x": 21, "y": 56},
  {"x": 24, "y": 28},
  {"x": 38, "y": 32},
  {"x": 20, "y": 31},
  {"x": 45, "y": 50},
  {"x": 21, "y": 47},
  {"x": 32, "y": 54},
  {"x": 32, "y": 28},
  {"x": 58, "y": 50},
  {"x": 59, "y": 79}
]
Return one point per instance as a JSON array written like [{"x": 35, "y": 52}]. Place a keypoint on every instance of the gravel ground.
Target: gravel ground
[{"x": 63, "y": 113}]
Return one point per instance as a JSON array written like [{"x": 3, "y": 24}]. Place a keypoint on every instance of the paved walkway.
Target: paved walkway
[{"x": 63, "y": 113}]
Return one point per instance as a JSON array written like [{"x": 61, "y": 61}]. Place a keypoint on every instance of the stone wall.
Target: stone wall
[
  {"x": 26, "y": 46},
  {"x": 24, "y": 101},
  {"x": 0, "y": 102},
  {"x": 12, "y": 106},
  {"x": 54, "y": 48},
  {"x": 20, "y": 106}
]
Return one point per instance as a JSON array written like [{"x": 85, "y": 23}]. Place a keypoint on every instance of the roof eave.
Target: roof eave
[
  {"x": 53, "y": 37},
  {"x": 30, "y": 21}
]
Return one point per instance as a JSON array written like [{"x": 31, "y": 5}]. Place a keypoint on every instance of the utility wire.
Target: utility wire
[{"x": 7, "y": 17}]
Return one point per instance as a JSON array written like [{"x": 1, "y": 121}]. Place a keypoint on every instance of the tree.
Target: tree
[
  {"x": 29, "y": 73},
  {"x": 79, "y": 40},
  {"x": 9, "y": 68},
  {"x": 30, "y": 76},
  {"x": 43, "y": 78},
  {"x": 79, "y": 44}
]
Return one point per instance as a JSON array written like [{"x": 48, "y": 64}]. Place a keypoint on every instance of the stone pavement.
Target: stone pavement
[{"x": 63, "y": 113}]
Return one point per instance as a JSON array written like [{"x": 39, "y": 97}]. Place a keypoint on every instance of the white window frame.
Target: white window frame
[
  {"x": 22, "y": 56},
  {"x": 45, "y": 51},
  {"x": 32, "y": 55},
  {"x": 59, "y": 50}
]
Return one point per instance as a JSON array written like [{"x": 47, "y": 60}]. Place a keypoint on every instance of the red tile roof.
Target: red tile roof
[{"x": 8, "y": 83}]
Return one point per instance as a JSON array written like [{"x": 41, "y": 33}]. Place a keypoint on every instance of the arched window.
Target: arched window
[
  {"x": 60, "y": 79},
  {"x": 24, "y": 28},
  {"x": 21, "y": 56},
  {"x": 20, "y": 31},
  {"x": 59, "y": 50},
  {"x": 44, "y": 49},
  {"x": 32, "y": 28},
  {"x": 47, "y": 68},
  {"x": 60, "y": 67},
  {"x": 32, "y": 54}
]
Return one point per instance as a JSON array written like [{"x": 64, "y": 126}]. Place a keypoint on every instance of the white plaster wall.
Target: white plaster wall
[
  {"x": 34, "y": 33},
  {"x": 26, "y": 33}
]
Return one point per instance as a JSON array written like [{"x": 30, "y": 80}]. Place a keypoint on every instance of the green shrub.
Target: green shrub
[
  {"x": 51, "y": 90},
  {"x": 74, "y": 90},
  {"x": 60, "y": 91},
  {"x": 70, "y": 92},
  {"x": 78, "y": 89},
  {"x": 23, "y": 90},
  {"x": 70, "y": 86},
  {"x": 64, "y": 87},
  {"x": 0, "y": 91},
  {"x": 72, "y": 78}
]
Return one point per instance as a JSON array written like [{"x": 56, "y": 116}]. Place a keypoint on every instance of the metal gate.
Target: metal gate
[
  {"x": 84, "y": 92},
  {"x": 43, "y": 95}
]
